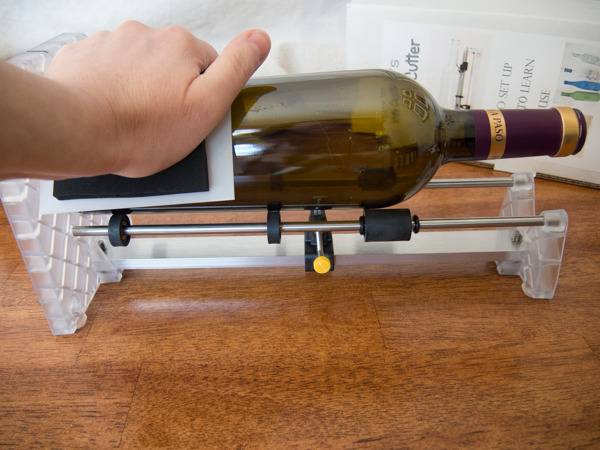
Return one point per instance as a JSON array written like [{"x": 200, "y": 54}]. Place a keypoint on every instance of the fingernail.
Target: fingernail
[{"x": 261, "y": 40}]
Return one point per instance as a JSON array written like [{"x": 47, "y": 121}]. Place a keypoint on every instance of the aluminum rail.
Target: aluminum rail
[{"x": 301, "y": 227}]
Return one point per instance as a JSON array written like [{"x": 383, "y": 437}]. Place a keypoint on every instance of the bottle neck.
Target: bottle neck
[{"x": 476, "y": 135}]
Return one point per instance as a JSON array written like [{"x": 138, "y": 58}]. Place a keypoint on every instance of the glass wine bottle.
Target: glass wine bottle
[{"x": 371, "y": 139}]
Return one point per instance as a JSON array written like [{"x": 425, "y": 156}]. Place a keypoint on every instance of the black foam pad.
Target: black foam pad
[{"x": 188, "y": 175}]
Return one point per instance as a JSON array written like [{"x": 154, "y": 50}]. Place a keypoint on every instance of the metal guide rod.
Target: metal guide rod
[
  {"x": 469, "y": 182},
  {"x": 235, "y": 228},
  {"x": 301, "y": 227},
  {"x": 483, "y": 222}
]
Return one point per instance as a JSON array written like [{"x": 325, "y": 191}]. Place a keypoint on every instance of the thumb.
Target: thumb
[{"x": 215, "y": 90}]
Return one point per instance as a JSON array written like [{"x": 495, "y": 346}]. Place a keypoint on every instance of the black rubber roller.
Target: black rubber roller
[
  {"x": 379, "y": 225},
  {"x": 116, "y": 230},
  {"x": 273, "y": 227}
]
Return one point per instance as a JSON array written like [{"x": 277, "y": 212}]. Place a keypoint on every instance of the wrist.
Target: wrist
[
  {"x": 97, "y": 133},
  {"x": 51, "y": 130}
]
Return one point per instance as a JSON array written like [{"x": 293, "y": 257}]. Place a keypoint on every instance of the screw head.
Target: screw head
[{"x": 516, "y": 238}]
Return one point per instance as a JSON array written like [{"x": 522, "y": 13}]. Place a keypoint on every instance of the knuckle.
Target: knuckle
[
  {"x": 176, "y": 30},
  {"x": 131, "y": 25},
  {"x": 178, "y": 33}
]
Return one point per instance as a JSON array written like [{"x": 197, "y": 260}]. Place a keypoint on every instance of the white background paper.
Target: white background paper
[
  {"x": 307, "y": 35},
  {"x": 377, "y": 33}
]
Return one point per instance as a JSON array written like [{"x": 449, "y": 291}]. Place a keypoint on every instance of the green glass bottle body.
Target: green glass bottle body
[
  {"x": 360, "y": 138},
  {"x": 348, "y": 139}
]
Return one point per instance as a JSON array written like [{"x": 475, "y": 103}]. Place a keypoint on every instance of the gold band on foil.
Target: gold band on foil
[
  {"x": 497, "y": 133},
  {"x": 570, "y": 131}
]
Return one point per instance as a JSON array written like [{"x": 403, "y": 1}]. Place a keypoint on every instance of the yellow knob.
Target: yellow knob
[{"x": 322, "y": 264}]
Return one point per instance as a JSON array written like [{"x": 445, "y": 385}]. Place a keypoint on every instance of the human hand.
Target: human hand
[{"x": 152, "y": 95}]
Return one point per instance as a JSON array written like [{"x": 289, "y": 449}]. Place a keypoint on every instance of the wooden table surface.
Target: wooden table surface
[{"x": 375, "y": 357}]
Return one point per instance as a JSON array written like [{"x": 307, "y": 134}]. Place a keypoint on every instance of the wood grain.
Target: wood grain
[{"x": 374, "y": 357}]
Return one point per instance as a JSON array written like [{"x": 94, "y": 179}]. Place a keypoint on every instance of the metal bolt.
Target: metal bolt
[{"x": 516, "y": 238}]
